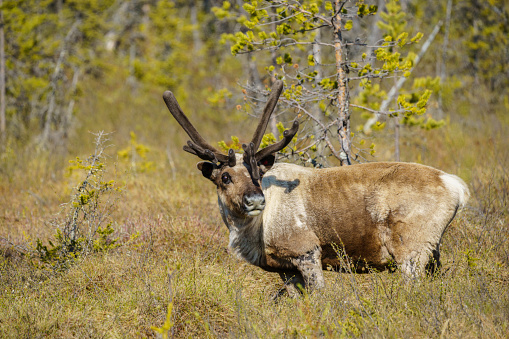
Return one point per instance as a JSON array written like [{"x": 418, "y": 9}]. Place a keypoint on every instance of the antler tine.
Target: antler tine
[
  {"x": 198, "y": 146},
  {"x": 287, "y": 137},
  {"x": 277, "y": 88},
  {"x": 204, "y": 154},
  {"x": 232, "y": 160},
  {"x": 250, "y": 158}
]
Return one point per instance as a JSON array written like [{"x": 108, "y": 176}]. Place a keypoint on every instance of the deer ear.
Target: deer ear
[
  {"x": 207, "y": 169},
  {"x": 266, "y": 163}
]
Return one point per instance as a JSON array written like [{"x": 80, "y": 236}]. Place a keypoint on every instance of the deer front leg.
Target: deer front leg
[
  {"x": 310, "y": 266},
  {"x": 308, "y": 275},
  {"x": 291, "y": 281}
]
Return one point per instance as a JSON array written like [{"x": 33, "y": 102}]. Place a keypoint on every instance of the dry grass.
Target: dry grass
[{"x": 180, "y": 256}]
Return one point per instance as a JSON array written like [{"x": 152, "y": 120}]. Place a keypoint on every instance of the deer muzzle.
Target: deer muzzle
[{"x": 254, "y": 203}]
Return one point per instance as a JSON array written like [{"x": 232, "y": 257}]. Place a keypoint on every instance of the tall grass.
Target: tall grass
[{"x": 173, "y": 250}]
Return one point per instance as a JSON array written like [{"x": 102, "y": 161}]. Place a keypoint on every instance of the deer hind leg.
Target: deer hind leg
[
  {"x": 434, "y": 264},
  {"x": 414, "y": 265}
]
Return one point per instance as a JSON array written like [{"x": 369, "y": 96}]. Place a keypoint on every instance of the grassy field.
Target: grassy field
[{"x": 173, "y": 246}]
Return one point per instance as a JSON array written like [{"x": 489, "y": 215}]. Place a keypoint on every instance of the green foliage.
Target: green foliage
[
  {"x": 53, "y": 255},
  {"x": 59, "y": 254},
  {"x": 267, "y": 140},
  {"x": 281, "y": 129},
  {"x": 290, "y": 30},
  {"x": 235, "y": 145},
  {"x": 136, "y": 154},
  {"x": 222, "y": 12},
  {"x": 370, "y": 95},
  {"x": 104, "y": 242},
  {"x": 168, "y": 324},
  {"x": 52, "y": 47},
  {"x": 125, "y": 292},
  {"x": 472, "y": 261},
  {"x": 167, "y": 38},
  {"x": 484, "y": 28},
  {"x": 410, "y": 102},
  {"x": 80, "y": 232},
  {"x": 219, "y": 98},
  {"x": 394, "y": 23},
  {"x": 47, "y": 49}
]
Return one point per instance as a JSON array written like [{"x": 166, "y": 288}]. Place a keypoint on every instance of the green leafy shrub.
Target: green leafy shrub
[{"x": 92, "y": 201}]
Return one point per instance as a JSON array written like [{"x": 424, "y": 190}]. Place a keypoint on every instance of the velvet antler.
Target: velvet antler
[
  {"x": 287, "y": 137},
  {"x": 198, "y": 146},
  {"x": 252, "y": 157},
  {"x": 277, "y": 88}
]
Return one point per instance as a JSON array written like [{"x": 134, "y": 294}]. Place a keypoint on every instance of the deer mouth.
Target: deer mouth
[
  {"x": 254, "y": 204},
  {"x": 254, "y": 213}
]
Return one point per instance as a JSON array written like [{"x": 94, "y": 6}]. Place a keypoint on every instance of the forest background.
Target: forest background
[{"x": 107, "y": 228}]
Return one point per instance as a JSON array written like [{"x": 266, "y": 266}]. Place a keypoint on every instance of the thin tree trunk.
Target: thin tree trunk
[
  {"x": 272, "y": 121},
  {"x": 397, "y": 128},
  {"x": 445, "y": 45},
  {"x": 256, "y": 81},
  {"x": 67, "y": 123},
  {"x": 54, "y": 79},
  {"x": 374, "y": 32},
  {"x": 197, "y": 45},
  {"x": 118, "y": 21},
  {"x": 396, "y": 139},
  {"x": 2, "y": 75},
  {"x": 343, "y": 100},
  {"x": 317, "y": 55}
]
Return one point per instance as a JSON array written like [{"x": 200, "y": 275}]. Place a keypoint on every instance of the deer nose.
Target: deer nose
[{"x": 254, "y": 203}]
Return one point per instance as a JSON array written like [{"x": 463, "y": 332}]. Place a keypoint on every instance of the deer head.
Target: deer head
[{"x": 237, "y": 177}]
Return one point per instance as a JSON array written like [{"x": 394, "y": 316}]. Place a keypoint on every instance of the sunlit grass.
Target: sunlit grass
[{"x": 179, "y": 254}]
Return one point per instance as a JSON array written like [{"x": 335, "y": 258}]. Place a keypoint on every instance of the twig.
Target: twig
[{"x": 19, "y": 248}]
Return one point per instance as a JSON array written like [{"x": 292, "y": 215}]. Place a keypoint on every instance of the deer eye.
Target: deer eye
[{"x": 226, "y": 178}]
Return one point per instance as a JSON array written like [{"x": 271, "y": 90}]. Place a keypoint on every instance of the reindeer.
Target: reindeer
[{"x": 297, "y": 221}]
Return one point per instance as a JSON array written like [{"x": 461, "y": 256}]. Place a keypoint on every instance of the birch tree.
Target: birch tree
[
  {"x": 48, "y": 46},
  {"x": 325, "y": 90}
]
